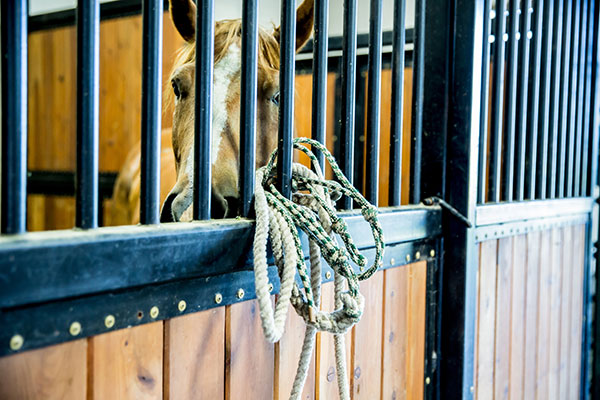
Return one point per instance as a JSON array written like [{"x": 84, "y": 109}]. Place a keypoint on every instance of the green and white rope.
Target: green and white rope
[{"x": 312, "y": 211}]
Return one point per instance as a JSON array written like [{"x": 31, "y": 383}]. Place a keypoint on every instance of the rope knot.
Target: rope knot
[{"x": 370, "y": 212}]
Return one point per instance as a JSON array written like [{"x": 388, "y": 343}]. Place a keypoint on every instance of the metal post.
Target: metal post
[{"x": 319, "y": 93}]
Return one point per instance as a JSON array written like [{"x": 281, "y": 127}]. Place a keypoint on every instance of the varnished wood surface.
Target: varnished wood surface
[
  {"x": 529, "y": 310},
  {"x": 222, "y": 354}
]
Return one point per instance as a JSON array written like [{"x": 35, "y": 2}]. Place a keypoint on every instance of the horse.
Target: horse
[{"x": 225, "y": 133}]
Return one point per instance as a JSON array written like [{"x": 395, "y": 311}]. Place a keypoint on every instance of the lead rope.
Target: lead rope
[{"x": 311, "y": 210}]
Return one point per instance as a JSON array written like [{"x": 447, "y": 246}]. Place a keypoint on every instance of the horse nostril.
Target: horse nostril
[{"x": 166, "y": 215}]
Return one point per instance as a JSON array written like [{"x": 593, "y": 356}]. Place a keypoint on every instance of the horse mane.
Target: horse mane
[{"x": 228, "y": 32}]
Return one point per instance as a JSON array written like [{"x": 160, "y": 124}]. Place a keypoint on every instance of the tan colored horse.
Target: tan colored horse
[{"x": 226, "y": 116}]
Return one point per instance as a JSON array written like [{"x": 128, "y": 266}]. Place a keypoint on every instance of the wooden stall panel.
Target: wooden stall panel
[
  {"x": 415, "y": 341},
  {"x": 127, "y": 364},
  {"x": 194, "y": 363},
  {"x": 249, "y": 362},
  {"x": 52, "y": 373},
  {"x": 528, "y": 339}
]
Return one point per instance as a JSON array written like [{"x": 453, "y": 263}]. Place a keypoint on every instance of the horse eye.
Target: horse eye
[
  {"x": 275, "y": 99},
  {"x": 176, "y": 89}
]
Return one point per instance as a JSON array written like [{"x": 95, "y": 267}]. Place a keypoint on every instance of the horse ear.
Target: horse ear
[
  {"x": 183, "y": 14},
  {"x": 304, "y": 24}
]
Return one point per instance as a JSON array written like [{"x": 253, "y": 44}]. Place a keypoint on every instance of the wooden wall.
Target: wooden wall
[
  {"x": 52, "y": 106},
  {"x": 222, "y": 354},
  {"x": 529, "y": 315}
]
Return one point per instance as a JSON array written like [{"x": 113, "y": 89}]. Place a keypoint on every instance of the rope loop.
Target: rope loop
[{"x": 311, "y": 210}]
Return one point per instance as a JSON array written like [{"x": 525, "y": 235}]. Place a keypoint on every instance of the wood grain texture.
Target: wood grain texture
[
  {"x": 396, "y": 308},
  {"x": 249, "y": 358},
  {"x": 417, "y": 290},
  {"x": 576, "y": 310},
  {"x": 487, "y": 319},
  {"x": 52, "y": 373},
  {"x": 326, "y": 374},
  {"x": 367, "y": 346},
  {"x": 531, "y": 314},
  {"x": 555, "y": 302},
  {"x": 127, "y": 364},
  {"x": 194, "y": 363},
  {"x": 517, "y": 322},
  {"x": 543, "y": 328},
  {"x": 565, "y": 312},
  {"x": 287, "y": 355},
  {"x": 502, "y": 340}
]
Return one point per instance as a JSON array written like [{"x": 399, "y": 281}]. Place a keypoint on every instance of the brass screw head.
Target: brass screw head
[
  {"x": 109, "y": 321},
  {"x": 408, "y": 257},
  {"x": 427, "y": 381},
  {"x": 328, "y": 275},
  {"x": 240, "y": 293},
  {"x": 182, "y": 305},
  {"x": 16, "y": 342},
  {"x": 75, "y": 328},
  {"x": 218, "y": 298},
  {"x": 270, "y": 287},
  {"x": 362, "y": 269},
  {"x": 392, "y": 261},
  {"x": 154, "y": 312},
  {"x": 432, "y": 253},
  {"x": 417, "y": 255}
]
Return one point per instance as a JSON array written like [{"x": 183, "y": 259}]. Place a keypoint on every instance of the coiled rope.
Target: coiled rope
[{"x": 311, "y": 210}]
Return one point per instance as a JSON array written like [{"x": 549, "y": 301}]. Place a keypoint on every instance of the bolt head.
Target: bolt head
[
  {"x": 218, "y": 298},
  {"x": 427, "y": 381},
  {"x": 16, "y": 342},
  {"x": 75, "y": 328},
  {"x": 328, "y": 275},
  {"x": 240, "y": 293},
  {"x": 408, "y": 257},
  {"x": 417, "y": 255},
  {"x": 392, "y": 261},
  {"x": 182, "y": 305},
  {"x": 432, "y": 253},
  {"x": 154, "y": 312},
  {"x": 109, "y": 321}
]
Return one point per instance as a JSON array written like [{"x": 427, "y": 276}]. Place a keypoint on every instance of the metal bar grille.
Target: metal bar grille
[
  {"x": 203, "y": 110},
  {"x": 319, "y": 86},
  {"x": 152, "y": 12},
  {"x": 485, "y": 86},
  {"x": 14, "y": 115},
  {"x": 88, "y": 21},
  {"x": 417, "y": 102},
  {"x": 567, "y": 186}
]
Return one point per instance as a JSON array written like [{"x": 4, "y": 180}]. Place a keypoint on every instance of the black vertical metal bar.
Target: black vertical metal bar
[
  {"x": 589, "y": 100},
  {"x": 555, "y": 96},
  {"x": 522, "y": 114},
  {"x": 152, "y": 12},
  {"x": 572, "y": 133},
  {"x": 533, "y": 106},
  {"x": 510, "y": 115},
  {"x": 203, "y": 110},
  {"x": 485, "y": 102},
  {"x": 319, "y": 84},
  {"x": 497, "y": 103},
  {"x": 14, "y": 115},
  {"x": 544, "y": 111},
  {"x": 374, "y": 103},
  {"x": 348, "y": 91},
  {"x": 417, "y": 101},
  {"x": 88, "y": 36},
  {"x": 563, "y": 110},
  {"x": 248, "y": 104},
  {"x": 583, "y": 48},
  {"x": 398, "y": 41},
  {"x": 286, "y": 105},
  {"x": 594, "y": 144}
]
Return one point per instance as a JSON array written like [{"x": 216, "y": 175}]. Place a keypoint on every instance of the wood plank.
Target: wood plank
[
  {"x": 194, "y": 363},
  {"x": 367, "y": 346},
  {"x": 576, "y": 310},
  {"x": 417, "y": 295},
  {"x": 128, "y": 363},
  {"x": 326, "y": 386},
  {"x": 249, "y": 358},
  {"x": 531, "y": 313},
  {"x": 394, "y": 333},
  {"x": 518, "y": 323},
  {"x": 287, "y": 357},
  {"x": 555, "y": 301},
  {"x": 565, "y": 312},
  {"x": 488, "y": 262},
  {"x": 503, "y": 296},
  {"x": 55, "y": 372},
  {"x": 544, "y": 315}
]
